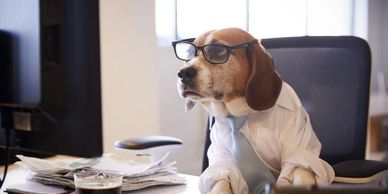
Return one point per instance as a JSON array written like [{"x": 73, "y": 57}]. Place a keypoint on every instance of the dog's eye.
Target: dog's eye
[{"x": 216, "y": 53}]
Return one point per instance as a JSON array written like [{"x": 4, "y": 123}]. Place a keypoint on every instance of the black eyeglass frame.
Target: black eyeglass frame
[{"x": 228, "y": 49}]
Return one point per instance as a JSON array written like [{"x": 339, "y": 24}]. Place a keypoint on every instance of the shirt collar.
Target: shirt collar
[{"x": 286, "y": 98}]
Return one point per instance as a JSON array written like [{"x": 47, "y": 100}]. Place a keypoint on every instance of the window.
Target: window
[
  {"x": 199, "y": 16},
  {"x": 329, "y": 17},
  {"x": 176, "y": 19},
  {"x": 277, "y": 18},
  {"x": 165, "y": 21}
]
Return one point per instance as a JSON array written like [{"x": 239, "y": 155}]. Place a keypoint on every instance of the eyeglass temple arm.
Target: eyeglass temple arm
[
  {"x": 244, "y": 44},
  {"x": 184, "y": 40}
]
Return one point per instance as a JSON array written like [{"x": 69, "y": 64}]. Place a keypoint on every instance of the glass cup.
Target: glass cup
[{"x": 98, "y": 182}]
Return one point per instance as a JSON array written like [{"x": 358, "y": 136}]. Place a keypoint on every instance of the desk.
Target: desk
[{"x": 18, "y": 175}]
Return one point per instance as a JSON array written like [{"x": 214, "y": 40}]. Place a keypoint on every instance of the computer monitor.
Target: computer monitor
[{"x": 50, "y": 84}]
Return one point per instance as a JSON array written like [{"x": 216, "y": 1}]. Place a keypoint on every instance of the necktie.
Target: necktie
[{"x": 252, "y": 167}]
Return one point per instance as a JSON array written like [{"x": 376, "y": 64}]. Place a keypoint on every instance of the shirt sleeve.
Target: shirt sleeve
[
  {"x": 301, "y": 148},
  {"x": 221, "y": 163}
]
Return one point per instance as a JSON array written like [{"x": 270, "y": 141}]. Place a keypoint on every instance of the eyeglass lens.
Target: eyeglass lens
[
  {"x": 185, "y": 51},
  {"x": 213, "y": 53},
  {"x": 216, "y": 53}
]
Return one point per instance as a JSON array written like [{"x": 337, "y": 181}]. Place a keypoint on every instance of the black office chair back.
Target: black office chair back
[{"x": 331, "y": 76}]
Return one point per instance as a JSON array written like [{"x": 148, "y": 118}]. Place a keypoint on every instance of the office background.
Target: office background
[{"x": 139, "y": 75}]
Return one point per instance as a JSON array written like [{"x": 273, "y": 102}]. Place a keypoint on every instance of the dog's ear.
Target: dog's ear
[
  {"x": 264, "y": 84},
  {"x": 189, "y": 105}
]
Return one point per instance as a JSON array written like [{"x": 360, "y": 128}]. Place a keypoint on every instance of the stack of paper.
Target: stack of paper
[{"x": 136, "y": 176}]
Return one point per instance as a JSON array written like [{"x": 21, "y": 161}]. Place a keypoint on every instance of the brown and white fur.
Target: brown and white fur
[{"x": 247, "y": 82}]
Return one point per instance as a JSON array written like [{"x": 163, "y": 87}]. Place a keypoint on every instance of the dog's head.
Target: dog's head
[{"x": 231, "y": 80}]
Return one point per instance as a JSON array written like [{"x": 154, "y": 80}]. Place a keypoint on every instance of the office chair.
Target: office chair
[{"x": 331, "y": 76}]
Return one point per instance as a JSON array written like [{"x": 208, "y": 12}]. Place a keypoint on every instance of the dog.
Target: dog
[{"x": 230, "y": 73}]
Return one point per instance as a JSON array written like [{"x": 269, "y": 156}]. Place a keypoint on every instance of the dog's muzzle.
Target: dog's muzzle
[
  {"x": 187, "y": 76},
  {"x": 187, "y": 84}
]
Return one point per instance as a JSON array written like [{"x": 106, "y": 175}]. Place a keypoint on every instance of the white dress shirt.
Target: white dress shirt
[{"x": 282, "y": 136}]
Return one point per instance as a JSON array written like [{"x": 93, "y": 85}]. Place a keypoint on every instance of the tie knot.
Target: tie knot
[{"x": 235, "y": 123}]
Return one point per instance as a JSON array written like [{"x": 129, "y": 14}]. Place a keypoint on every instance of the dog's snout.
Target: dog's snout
[{"x": 187, "y": 75}]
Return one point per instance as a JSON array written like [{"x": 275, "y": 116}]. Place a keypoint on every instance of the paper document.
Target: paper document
[{"x": 136, "y": 176}]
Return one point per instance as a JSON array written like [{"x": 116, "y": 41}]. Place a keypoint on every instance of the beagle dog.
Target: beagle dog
[{"x": 229, "y": 73}]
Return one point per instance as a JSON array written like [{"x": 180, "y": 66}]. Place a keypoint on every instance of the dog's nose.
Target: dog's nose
[{"x": 187, "y": 75}]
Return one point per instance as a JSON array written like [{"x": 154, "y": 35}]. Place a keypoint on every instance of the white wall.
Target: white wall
[
  {"x": 128, "y": 57},
  {"x": 174, "y": 121},
  {"x": 139, "y": 83}
]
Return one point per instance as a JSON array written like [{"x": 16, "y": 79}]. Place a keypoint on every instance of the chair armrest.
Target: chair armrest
[
  {"x": 360, "y": 171},
  {"x": 153, "y": 146},
  {"x": 325, "y": 189},
  {"x": 138, "y": 143}
]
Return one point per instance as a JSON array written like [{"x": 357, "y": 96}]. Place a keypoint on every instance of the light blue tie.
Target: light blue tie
[{"x": 252, "y": 168}]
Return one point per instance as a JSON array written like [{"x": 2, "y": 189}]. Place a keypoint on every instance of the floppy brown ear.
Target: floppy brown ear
[{"x": 264, "y": 84}]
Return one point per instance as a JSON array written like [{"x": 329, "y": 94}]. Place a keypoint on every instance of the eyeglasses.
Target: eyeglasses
[{"x": 186, "y": 50}]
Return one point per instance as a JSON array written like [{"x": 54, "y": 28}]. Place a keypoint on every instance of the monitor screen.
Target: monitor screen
[{"x": 50, "y": 94}]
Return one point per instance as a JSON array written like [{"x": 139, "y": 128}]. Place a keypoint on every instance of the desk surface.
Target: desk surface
[{"x": 17, "y": 175}]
